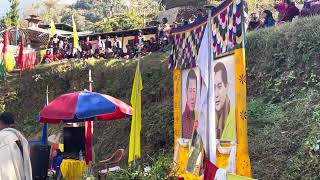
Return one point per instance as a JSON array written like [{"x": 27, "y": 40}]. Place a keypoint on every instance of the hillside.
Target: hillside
[
  {"x": 283, "y": 86},
  {"x": 283, "y": 102}
]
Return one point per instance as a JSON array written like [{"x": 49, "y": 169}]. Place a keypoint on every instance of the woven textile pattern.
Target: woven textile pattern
[{"x": 226, "y": 22}]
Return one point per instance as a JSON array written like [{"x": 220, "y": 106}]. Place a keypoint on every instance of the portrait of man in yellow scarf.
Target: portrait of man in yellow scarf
[{"x": 225, "y": 111}]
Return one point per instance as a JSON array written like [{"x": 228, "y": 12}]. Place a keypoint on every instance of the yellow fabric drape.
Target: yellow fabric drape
[
  {"x": 75, "y": 34},
  {"x": 73, "y": 169},
  {"x": 243, "y": 167},
  {"x": 10, "y": 62},
  {"x": 134, "y": 145},
  {"x": 236, "y": 177},
  {"x": 42, "y": 53},
  {"x": 52, "y": 29},
  {"x": 177, "y": 104}
]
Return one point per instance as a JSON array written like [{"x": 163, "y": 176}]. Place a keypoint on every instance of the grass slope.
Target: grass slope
[{"x": 283, "y": 89}]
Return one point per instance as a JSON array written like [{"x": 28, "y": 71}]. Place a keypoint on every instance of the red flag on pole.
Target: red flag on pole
[
  {"x": 6, "y": 42},
  {"x": 20, "y": 56}
]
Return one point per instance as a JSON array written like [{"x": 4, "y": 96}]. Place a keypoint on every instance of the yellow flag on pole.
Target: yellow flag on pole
[
  {"x": 134, "y": 145},
  {"x": 52, "y": 29},
  {"x": 75, "y": 34}
]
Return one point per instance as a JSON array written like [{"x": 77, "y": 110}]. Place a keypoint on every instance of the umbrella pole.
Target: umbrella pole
[
  {"x": 89, "y": 125},
  {"x": 44, "y": 139},
  {"x": 90, "y": 81}
]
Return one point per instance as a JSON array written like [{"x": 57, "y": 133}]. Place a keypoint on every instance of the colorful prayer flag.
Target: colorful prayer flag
[
  {"x": 134, "y": 145},
  {"x": 20, "y": 55},
  {"x": 6, "y": 42}
]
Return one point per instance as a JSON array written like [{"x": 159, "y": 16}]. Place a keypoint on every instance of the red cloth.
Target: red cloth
[
  {"x": 88, "y": 134},
  {"x": 27, "y": 61},
  {"x": 49, "y": 56},
  {"x": 54, "y": 146},
  {"x": 281, "y": 8},
  {"x": 209, "y": 169},
  {"x": 290, "y": 13},
  {"x": 58, "y": 56},
  {"x": 6, "y": 42},
  {"x": 20, "y": 56}
]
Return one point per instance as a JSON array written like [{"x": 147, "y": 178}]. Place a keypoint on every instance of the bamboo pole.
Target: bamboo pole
[{"x": 210, "y": 58}]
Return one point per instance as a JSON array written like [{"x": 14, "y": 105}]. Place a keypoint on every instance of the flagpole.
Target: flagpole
[
  {"x": 45, "y": 125},
  {"x": 90, "y": 81},
  {"x": 47, "y": 92},
  {"x": 209, "y": 7}
]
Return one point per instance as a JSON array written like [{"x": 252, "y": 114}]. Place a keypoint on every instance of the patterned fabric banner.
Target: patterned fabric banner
[
  {"x": 187, "y": 41},
  {"x": 226, "y": 27},
  {"x": 226, "y": 35}
]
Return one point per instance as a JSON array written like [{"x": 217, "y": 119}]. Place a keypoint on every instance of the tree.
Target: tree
[
  {"x": 126, "y": 21},
  {"x": 51, "y": 12},
  {"x": 12, "y": 17},
  {"x": 79, "y": 19},
  {"x": 129, "y": 14}
]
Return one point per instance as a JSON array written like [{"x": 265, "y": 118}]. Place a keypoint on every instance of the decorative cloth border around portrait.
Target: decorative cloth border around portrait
[{"x": 226, "y": 33}]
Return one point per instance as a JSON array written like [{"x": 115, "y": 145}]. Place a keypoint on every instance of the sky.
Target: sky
[{"x": 4, "y": 5}]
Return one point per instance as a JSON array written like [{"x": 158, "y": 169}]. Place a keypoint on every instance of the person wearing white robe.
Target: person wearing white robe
[{"x": 14, "y": 151}]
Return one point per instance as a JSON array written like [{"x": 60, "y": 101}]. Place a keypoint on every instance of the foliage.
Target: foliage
[
  {"x": 288, "y": 60},
  {"x": 52, "y": 11},
  {"x": 80, "y": 20},
  {"x": 160, "y": 169},
  {"x": 126, "y": 21},
  {"x": 283, "y": 143},
  {"x": 283, "y": 110},
  {"x": 12, "y": 17}
]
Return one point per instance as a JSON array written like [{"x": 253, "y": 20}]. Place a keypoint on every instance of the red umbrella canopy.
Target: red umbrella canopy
[{"x": 82, "y": 106}]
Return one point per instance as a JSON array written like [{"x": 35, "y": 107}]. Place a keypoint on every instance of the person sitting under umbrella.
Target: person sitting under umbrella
[{"x": 57, "y": 160}]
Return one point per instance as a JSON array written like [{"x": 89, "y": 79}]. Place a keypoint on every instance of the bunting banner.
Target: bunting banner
[{"x": 210, "y": 117}]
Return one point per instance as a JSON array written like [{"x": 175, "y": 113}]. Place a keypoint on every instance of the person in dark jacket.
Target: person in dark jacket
[
  {"x": 57, "y": 160},
  {"x": 268, "y": 19},
  {"x": 254, "y": 22}
]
